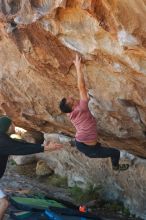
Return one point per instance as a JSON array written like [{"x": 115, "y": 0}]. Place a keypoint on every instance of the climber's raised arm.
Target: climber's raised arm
[{"x": 80, "y": 78}]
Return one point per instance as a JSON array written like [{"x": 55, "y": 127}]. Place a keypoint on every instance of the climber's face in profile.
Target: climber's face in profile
[{"x": 71, "y": 102}]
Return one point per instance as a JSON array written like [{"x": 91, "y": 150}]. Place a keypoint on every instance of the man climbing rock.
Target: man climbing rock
[
  {"x": 9, "y": 146},
  {"x": 85, "y": 124}
]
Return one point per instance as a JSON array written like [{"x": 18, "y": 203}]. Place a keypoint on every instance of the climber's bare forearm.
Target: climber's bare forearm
[{"x": 80, "y": 79}]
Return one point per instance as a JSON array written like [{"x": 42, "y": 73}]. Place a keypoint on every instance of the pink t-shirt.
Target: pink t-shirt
[{"x": 84, "y": 122}]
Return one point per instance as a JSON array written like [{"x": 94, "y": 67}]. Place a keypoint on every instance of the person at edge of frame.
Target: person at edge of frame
[{"x": 9, "y": 146}]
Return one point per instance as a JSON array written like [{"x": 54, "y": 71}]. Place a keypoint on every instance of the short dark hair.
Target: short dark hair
[{"x": 64, "y": 107}]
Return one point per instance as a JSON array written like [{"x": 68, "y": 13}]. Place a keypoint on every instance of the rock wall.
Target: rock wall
[{"x": 38, "y": 42}]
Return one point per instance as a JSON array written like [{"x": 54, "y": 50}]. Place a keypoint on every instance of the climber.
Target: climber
[
  {"x": 86, "y": 137},
  {"x": 9, "y": 146}
]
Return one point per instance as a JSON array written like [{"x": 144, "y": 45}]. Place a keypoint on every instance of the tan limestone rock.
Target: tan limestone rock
[{"x": 38, "y": 42}]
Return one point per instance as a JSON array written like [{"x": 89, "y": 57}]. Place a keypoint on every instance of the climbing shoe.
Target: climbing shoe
[{"x": 121, "y": 167}]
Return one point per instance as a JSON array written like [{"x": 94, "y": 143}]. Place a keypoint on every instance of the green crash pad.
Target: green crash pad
[{"x": 34, "y": 203}]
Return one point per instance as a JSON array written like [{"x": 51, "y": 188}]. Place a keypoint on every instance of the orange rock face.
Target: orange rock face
[{"x": 38, "y": 42}]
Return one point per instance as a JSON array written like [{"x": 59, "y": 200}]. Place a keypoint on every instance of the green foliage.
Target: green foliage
[
  {"x": 12, "y": 162},
  {"x": 56, "y": 180},
  {"x": 91, "y": 192},
  {"x": 126, "y": 211}
]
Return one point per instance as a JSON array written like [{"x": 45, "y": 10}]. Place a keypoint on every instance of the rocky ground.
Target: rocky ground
[{"x": 22, "y": 181}]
